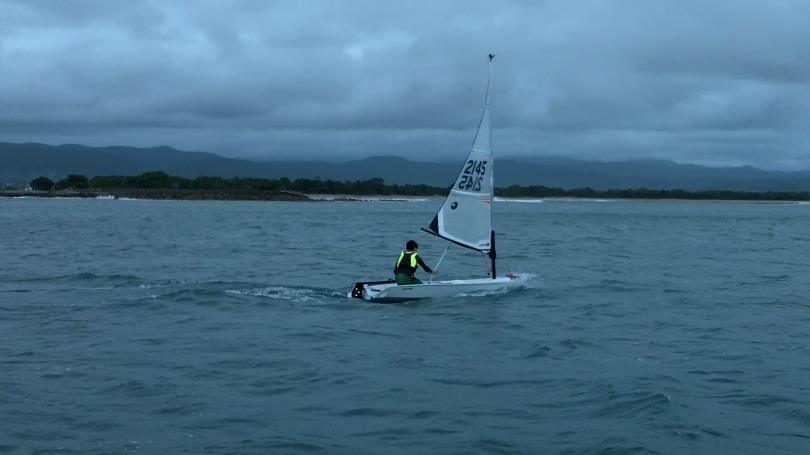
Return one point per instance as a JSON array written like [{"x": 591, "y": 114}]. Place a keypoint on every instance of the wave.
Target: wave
[
  {"x": 279, "y": 293},
  {"x": 81, "y": 277},
  {"x": 355, "y": 198},
  {"x": 635, "y": 405},
  {"x": 520, "y": 201},
  {"x": 392, "y": 199},
  {"x": 581, "y": 199},
  {"x": 484, "y": 293},
  {"x": 550, "y": 199}
]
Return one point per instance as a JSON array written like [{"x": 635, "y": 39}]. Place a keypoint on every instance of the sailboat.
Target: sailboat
[{"x": 465, "y": 219}]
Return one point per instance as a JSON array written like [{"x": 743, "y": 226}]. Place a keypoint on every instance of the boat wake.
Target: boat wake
[
  {"x": 485, "y": 293},
  {"x": 291, "y": 294},
  {"x": 528, "y": 279},
  {"x": 525, "y": 280}
]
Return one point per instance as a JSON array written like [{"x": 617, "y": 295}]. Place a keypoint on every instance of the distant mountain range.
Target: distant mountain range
[{"x": 20, "y": 163}]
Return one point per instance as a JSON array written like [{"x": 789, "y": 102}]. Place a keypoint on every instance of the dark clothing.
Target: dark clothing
[
  {"x": 402, "y": 278},
  {"x": 406, "y": 266}
]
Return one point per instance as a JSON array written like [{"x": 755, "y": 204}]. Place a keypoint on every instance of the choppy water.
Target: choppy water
[{"x": 223, "y": 327}]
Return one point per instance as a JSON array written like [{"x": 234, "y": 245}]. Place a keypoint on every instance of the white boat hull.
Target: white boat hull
[{"x": 390, "y": 292}]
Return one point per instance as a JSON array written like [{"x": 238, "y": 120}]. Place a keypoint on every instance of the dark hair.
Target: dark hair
[{"x": 411, "y": 245}]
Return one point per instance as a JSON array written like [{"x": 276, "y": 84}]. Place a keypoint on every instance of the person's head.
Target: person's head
[{"x": 412, "y": 245}]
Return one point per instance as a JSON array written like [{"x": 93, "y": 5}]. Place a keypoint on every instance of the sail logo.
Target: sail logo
[{"x": 472, "y": 175}]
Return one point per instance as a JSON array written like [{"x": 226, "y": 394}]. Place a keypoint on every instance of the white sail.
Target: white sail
[{"x": 466, "y": 215}]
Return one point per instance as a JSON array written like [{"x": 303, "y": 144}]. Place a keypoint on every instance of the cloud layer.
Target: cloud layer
[{"x": 725, "y": 82}]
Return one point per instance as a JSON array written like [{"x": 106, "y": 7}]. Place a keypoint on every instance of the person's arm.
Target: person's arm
[{"x": 422, "y": 263}]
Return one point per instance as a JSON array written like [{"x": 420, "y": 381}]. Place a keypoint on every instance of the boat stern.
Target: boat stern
[{"x": 362, "y": 291}]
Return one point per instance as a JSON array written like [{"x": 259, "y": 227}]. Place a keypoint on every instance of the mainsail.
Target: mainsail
[{"x": 466, "y": 215}]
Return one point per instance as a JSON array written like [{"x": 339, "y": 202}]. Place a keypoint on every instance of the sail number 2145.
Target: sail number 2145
[{"x": 472, "y": 175}]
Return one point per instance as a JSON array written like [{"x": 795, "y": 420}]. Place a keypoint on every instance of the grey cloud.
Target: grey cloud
[{"x": 692, "y": 81}]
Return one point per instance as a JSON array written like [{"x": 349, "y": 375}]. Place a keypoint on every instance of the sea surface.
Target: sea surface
[{"x": 178, "y": 327}]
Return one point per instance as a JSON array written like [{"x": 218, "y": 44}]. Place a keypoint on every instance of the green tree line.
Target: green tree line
[
  {"x": 377, "y": 186},
  {"x": 162, "y": 180}
]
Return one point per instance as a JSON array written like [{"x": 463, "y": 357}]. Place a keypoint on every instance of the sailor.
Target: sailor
[{"x": 405, "y": 268}]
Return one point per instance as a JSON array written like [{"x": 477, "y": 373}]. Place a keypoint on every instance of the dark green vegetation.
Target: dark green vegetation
[
  {"x": 160, "y": 185},
  {"x": 161, "y": 180},
  {"x": 42, "y": 184}
]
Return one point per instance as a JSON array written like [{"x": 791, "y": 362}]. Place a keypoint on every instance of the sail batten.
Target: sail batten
[{"x": 465, "y": 218}]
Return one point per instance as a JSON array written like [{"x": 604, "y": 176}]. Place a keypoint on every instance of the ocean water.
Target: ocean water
[{"x": 169, "y": 327}]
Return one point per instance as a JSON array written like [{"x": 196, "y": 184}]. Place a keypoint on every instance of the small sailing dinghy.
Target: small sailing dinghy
[{"x": 465, "y": 219}]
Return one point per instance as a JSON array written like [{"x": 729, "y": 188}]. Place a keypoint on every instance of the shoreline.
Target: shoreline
[
  {"x": 165, "y": 194},
  {"x": 291, "y": 196}
]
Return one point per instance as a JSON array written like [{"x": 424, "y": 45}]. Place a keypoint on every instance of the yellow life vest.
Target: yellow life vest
[{"x": 413, "y": 255}]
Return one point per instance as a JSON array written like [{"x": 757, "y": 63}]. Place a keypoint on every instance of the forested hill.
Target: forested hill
[{"x": 20, "y": 163}]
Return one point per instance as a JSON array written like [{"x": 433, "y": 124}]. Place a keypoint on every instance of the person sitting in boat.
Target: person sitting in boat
[{"x": 405, "y": 269}]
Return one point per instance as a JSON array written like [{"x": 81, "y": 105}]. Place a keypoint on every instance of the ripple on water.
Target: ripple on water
[
  {"x": 635, "y": 406},
  {"x": 177, "y": 326}
]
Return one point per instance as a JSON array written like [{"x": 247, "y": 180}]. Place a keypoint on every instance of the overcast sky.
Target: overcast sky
[{"x": 717, "y": 82}]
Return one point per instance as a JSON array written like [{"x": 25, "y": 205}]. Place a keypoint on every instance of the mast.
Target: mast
[{"x": 492, "y": 254}]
